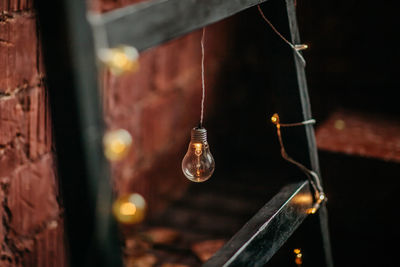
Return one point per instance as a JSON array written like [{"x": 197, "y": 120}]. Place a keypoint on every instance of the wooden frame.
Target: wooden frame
[
  {"x": 161, "y": 20},
  {"x": 72, "y": 80},
  {"x": 268, "y": 229}
]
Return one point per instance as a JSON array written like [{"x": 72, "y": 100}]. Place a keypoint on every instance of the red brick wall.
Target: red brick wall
[
  {"x": 30, "y": 217},
  {"x": 158, "y": 106}
]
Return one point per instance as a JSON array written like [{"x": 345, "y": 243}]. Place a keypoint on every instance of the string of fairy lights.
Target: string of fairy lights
[{"x": 198, "y": 164}]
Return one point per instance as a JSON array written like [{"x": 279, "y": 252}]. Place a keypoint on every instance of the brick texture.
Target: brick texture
[
  {"x": 159, "y": 105},
  {"x": 18, "y": 52},
  {"x": 7, "y": 6},
  {"x": 31, "y": 228}
]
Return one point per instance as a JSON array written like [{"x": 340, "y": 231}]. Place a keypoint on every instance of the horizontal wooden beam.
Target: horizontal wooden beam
[
  {"x": 262, "y": 236},
  {"x": 151, "y": 23}
]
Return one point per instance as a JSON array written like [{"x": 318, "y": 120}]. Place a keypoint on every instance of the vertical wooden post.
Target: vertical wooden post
[
  {"x": 309, "y": 130},
  {"x": 78, "y": 126}
]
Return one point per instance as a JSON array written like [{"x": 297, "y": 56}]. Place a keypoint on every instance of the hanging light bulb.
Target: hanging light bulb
[
  {"x": 130, "y": 209},
  {"x": 117, "y": 144},
  {"x": 198, "y": 164},
  {"x": 121, "y": 59}
]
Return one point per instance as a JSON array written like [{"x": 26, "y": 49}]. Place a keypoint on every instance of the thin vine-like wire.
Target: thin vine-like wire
[
  {"x": 294, "y": 47},
  {"x": 203, "y": 86},
  {"x": 314, "y": 179}
]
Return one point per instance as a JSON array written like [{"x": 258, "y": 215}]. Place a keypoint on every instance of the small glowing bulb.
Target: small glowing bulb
[
  {"x": 198, "y": 164},
  {"x": 299, "y": 257},
  {"x": 127, "y": 209},
  {"x": 130, "y": 209},
  {"x": 117, "y": 144},
  {"x": 321, "y": 198},
  {"x": 298, "y": 260},
  {"x": 121, "y": 59},
  {"x": 311, "y": 210},
  {"x": 275, "y": 118},
  {"x": 300, "y": 47}
]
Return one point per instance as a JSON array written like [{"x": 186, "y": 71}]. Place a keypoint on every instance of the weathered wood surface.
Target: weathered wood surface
[
  {"x": 268, "y": 230},
  {"x": 361, "y": 134},
  {"x": 309, "y": 129},
  {"x": 152, "y": 23}
]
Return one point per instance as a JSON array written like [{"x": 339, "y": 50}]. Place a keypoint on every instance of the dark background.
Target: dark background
[{"x": 352, "y": 64}]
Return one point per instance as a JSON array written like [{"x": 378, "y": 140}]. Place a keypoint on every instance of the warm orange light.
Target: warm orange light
[
  {"x": 299, "y": 257},
  {"x": 117, "y": 144},
  {"x": 303, "y": 199},
  {"x": 298, "y": 260},
  {"x": 129, "y": 209},
  {"x": 300, "y": 47},
  {"x": 311, "y": 211},
  {"x": 339, "y": 124},
  {"x": 198, "y": 164},
  {"x": 121, "y": 59},
  {"x": 198, "y": 145},
  {"x": 198, "y": 148},
  {"x": 275, "y": 118}
]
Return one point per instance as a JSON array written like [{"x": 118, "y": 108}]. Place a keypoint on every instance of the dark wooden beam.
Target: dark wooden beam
[
  {"x": 83, "y": 172},
  {"x": 309, "y": 129},
  {"x": 151, "y": 23},
  {"x": 268, "y": 230}
]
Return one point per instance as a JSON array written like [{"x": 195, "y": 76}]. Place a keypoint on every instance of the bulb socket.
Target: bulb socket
[{"x": 199, "y": 135}]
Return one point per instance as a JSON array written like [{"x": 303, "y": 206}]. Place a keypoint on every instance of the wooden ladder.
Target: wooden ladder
[{"x": 69, "y": 52}]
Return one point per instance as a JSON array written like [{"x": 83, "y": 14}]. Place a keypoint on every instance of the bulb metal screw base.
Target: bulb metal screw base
[{"x": 199, "y": 135}]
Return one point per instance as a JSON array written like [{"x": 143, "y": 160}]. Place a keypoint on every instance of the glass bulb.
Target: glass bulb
[
  {"x": 117, "y": 144},
  {"x": 130, "y": 209},
  {"x": 121, "y": 59},
  {"x": 198, "y": 164},
  {"x": 300, "y": 47}
]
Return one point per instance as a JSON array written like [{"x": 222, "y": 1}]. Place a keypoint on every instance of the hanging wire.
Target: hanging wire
[
  {"x": 203, "y": 87},
  {"x": 296, "y": 48},
  {"x": 314, "y": 179}
]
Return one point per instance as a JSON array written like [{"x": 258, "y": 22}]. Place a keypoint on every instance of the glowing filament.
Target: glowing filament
[{"x": 198, "y": 148}]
